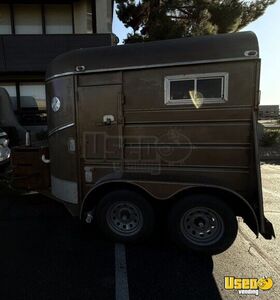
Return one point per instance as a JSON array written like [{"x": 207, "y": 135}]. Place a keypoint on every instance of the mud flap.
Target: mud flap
[{"x": 268, "y": 232}]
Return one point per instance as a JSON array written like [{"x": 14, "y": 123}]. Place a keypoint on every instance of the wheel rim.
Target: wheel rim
[
  {"x": 202, "y": 226},
  {"x": 124, "y": 218}
]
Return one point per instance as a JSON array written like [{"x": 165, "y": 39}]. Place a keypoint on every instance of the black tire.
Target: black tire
[
  {"x": 203, "y": 223},
  {"x": 119, "y": 204}
]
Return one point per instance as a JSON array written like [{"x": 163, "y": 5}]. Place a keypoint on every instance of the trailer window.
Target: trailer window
[
  {"x": 180, "y": 89},
  {"x": 196, "y": 89},
  {"x": 210, "y": 88}
]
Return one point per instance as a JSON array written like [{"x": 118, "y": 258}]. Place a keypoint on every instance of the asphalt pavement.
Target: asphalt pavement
[{"x": 47, "y": 254}]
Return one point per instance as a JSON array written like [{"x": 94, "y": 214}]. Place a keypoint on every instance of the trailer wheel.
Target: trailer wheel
[
  {"x": 125, "y": 216},
  {"x": 203, "y": 223}
]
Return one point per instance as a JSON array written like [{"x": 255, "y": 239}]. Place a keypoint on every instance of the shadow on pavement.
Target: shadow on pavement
[
  {"x": 161, "y": 271},
  {"x": 47, "y": 254},
  {"x": 270, "y": 162}
]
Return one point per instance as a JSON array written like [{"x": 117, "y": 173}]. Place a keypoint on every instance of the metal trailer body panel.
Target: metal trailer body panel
[
  {"x": 62, "y": 138},
  {"x": 124, "y": 131}
]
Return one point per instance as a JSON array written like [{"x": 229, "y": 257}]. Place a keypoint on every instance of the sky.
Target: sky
[{"x": 267, "y": 29}]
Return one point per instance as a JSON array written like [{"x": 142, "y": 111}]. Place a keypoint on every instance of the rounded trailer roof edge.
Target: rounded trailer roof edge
[
  {"x": 147, "y": 67},
  {"x": 183, "y": 51}
]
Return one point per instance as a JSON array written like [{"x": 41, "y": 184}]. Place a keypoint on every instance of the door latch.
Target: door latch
[{"x": 108, "y": 119}]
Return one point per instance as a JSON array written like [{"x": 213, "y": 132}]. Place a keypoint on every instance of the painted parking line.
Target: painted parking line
[{"x": 121, "y": 282}]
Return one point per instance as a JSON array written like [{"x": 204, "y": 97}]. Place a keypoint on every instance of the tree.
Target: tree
[{"x": 165, "y": 19}]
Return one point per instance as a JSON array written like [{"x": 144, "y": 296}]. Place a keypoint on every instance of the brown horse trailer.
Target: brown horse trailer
[{"x": 165, "y": 126}]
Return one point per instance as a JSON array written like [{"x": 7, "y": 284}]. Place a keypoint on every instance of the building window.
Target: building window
[
  {"x": 5, "y": 19},
  {"x": 12, "y": 91},
  {"x": 67, "y": 18},
  {"x": 58, "y": 19},
  {"x": 89, "y": 17},
  {"x": 32, "y": 96},
  {"x": 28, "y": 100},
  {"x": 28, "y": 19},
  {"x": 83, "y": 17},
  {"x": 196, "y": 89}
]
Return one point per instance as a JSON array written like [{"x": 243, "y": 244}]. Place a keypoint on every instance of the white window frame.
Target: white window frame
[{"x": 224, "y": 88}]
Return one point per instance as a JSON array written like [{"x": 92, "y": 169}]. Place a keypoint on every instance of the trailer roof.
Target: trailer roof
[{"x": 206, "y": 49}]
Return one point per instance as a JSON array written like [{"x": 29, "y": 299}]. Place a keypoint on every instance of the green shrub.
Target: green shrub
[{"x": 270, "y": 137}]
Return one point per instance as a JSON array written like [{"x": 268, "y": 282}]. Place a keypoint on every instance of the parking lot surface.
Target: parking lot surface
[{"x": 47, "y": 254}]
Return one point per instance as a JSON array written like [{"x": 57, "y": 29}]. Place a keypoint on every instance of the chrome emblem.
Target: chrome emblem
[{"x": 55, "y": 104}]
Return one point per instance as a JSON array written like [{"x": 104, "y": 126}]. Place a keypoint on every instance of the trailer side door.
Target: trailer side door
[{"x": 100, "y": 122}]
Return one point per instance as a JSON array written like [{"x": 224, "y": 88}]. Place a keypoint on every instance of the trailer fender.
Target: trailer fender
[
  {"x": 95, "y": 193},
  {"x": 238, "y": 203}
]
